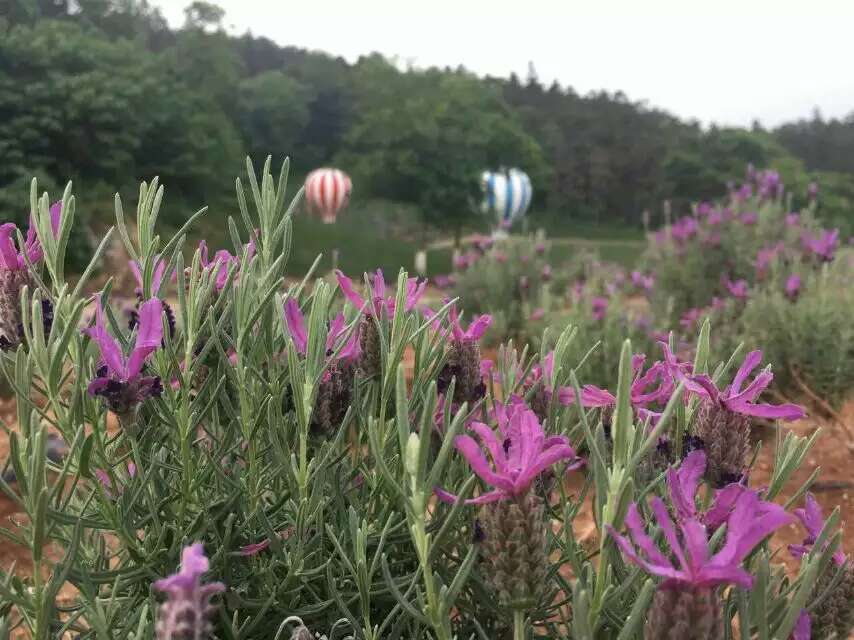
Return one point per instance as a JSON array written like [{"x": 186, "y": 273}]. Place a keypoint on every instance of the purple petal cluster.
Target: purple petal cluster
[
  {"x": 511, "y": 463},
  {"x": 693, "y": 565},
  {"x": 336, "y": 337},
  {"x": 379, "y": 302},
  {"x": 743, "y": 400},
  {"x": 813, "y": 521},
  {"x": 13, "y": 259},
  {"x": 119, "y": 379}
]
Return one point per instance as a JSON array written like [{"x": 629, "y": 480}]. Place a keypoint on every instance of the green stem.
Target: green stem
[{"x": 518, "y": 625}]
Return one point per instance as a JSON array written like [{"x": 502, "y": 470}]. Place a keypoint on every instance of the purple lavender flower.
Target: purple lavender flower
[
  {"x": 715, "y": 218},
  {"x": 684, "y": 228},
  {"x": 749, "y": 218},
  {"x": 743, "y": 193},
  {"x": 156, "y": 281},
  {"x": 811, "y": 517},
  {"x": 737, "y": 289},
  {"x": 188, "y": 609},
  {"x": 643, "y": 282},
  {"x": 803, "y": 627},
  {"x": 824, "y": 247},
  {"x": 793, "y": 219},
  {"x": 540, "y": 248},
  {"x": 444, "y": 281},
  {"x": 743, "y": 401},
  {"x": 516, "y": 460},
  {"x": 546, "y": 274},
  {"x": 335, "y": 338},
  {"x": 647, "y": 388},
  {"x": 10, "y": 257},
  {"x": 770, "y": 185},
  {"x": 812, "y": 190},
  {"x": 793, "y": 287},
  {"x": 537, "y": 314},
  {"x": 119, "y": 380},
  {"x": 765, "y": 256},
  {"x": 599, "y": 307},
  {"x": 683, "y": 484},
  {"x": 14, "y": 276},
  {"x": 414, "y": 291},
  {"x": 750, "y": 522},
  {"x": 221, "y": 263}
]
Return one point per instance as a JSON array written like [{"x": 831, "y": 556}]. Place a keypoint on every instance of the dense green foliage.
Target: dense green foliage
[{"x": 104, "y": 92}]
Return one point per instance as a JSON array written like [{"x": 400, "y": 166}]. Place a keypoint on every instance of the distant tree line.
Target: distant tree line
[{"x": 105, "y": 93}]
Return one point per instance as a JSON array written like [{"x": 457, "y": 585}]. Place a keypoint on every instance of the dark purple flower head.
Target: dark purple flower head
[
  {"x": 335, "y": 338},
  {"x": 10, "y": 257},
  {"x": 379, "y": 302},
  {"x": 750, "y": 522},
  {"x": 187, "y": 611},
  {"x": 515, "y": 461},
  {"x": 119, "y": 379},
  {"x": 715, "y": 218},
  {"x": 813, "y": 521},
  {"x": 148, "y": 339},
  {"x": 823, "y": 247},
  {"x": 743, "y": 401},
  {"x": 793, "y": 287}
]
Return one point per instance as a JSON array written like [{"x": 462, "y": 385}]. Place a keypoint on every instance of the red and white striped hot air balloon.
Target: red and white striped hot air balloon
[{"x": 327, "y": 192}]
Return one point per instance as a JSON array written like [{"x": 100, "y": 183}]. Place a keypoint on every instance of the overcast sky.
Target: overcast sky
[{"x": 722, "y": 61}]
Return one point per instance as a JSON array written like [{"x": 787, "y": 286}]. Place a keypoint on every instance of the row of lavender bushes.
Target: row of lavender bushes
[
  {"x": 765, "y": 275},
  {"x": 254, "y": 461}
]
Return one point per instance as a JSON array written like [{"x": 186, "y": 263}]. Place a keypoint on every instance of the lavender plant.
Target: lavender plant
[{"x": 282, "y": 463}]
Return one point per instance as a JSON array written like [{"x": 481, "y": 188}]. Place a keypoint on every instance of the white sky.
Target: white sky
[{"x": 723, "y": 61}]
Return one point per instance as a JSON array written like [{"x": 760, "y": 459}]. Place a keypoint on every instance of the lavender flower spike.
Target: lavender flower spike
[
  {"x": 743, "y": 401},
  {"x": 187, "y": 610},
  {"x": 523, "y": 453},
  {"x": 119, "y": 380}
]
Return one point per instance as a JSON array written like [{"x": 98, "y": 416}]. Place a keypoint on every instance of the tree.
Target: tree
[{"x": 274, "y": 111}]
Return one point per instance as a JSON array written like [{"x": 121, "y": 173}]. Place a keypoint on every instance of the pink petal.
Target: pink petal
[
  {"x": 8, "y": 254},
  {"x": 149, "y": 335},
  {"x": 111, "y": 353},
  {"x": 667, "y": 527},
  {"x": 296, "y": 325},
  {"x": 750, "y": 363},
  {"x": 472, "y": 453},
  {"x": 346, "y": 285}
]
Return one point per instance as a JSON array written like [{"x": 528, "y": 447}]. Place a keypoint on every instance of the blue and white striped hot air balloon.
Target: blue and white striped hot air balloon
[{"x": 506, "y": 194}]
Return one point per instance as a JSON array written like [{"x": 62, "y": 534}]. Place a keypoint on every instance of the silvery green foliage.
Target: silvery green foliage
[{"x": 340, "y": 529}]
